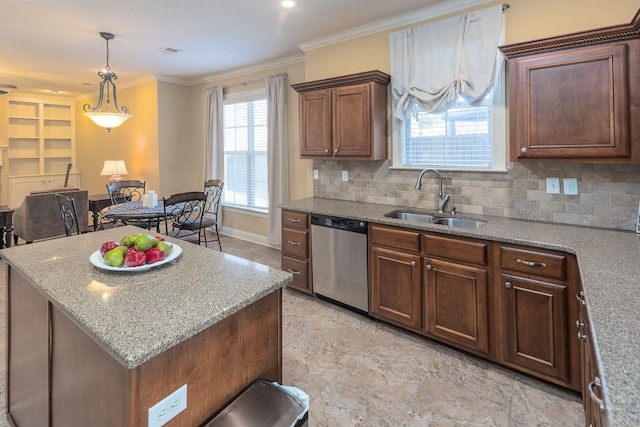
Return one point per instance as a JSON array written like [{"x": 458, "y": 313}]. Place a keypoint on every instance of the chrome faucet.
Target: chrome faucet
[{"x": 444, "y": 198}]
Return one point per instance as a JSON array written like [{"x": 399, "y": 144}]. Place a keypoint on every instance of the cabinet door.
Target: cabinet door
[
  {"x": 535, "y": 335},
  {"x": 455, "y": 302},
  {"x": 571, "y": 103},
  {"x": 351, "y": 121},
  {"x": 395, "y": 287},
  {"x": 315, "y": 123},
  {"x": 19, "y": 187}
]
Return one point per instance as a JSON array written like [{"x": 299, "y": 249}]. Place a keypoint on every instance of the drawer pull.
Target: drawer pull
[
  {"x": 531, "y": 263},
  {"x": 508, "y": 285},
  {"x": 580, "y": 297},
  {"x": 293, "y": 272},
  {"x": 294, "y": 220},
  {"x": 579, "y": 324},
  {"x": 581, "y": 336},
  {"x": 292, "y": 243},
  {"x": 596, "y": 383}
]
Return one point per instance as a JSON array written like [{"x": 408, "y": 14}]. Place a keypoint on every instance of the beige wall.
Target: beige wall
[
  {"x": 135, "y": 142},
  {"x": 180, "y": 157}
]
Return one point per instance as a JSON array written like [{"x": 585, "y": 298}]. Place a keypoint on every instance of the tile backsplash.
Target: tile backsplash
[{"x": 608, "y": 193}]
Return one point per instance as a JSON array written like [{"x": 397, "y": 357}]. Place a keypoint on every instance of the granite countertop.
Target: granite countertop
[
  {"x": 609, "y": 263},
  {"x": 136, "y": 316}
]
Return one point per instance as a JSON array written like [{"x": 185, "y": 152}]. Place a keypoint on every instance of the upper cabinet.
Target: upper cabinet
[
  {"x": 344, "y": 117},
  {"x": 570, "y": 97}
]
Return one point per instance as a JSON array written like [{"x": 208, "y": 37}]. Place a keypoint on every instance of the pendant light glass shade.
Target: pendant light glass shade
[{"x": 107, "y": 119}]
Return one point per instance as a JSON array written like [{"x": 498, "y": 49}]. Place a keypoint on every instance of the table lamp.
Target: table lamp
[{"x": 115, "y": 168}]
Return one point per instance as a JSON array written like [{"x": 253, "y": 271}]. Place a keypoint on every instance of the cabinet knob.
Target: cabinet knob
[
  {"x": 326, "y": 151},
  {"x": 508, "y": 285},
  {"x": 524, "y": 150},
  {"x": 335, "y": 151},
  {"x": 429, "y": 267}
]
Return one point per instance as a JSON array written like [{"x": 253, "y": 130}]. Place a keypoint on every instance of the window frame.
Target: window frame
[{"x": 234, "y": 98}]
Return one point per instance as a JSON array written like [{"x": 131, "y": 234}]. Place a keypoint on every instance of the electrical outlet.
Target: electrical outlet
[
  {"x": 345, "y": 176},
  {"x": 166, "y": 410},
  {"x": 553, "y": 185},
  {"x": 316, "y": 174},
  {"x": 570, "y": 186}
]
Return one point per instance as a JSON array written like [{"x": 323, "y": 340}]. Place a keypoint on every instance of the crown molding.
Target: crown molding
[
  {"x": 431, "y": 12},
  {"x": 249, "y": 69}
]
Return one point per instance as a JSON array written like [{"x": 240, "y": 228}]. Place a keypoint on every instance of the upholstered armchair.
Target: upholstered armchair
[{"x": 38, "y": 217}]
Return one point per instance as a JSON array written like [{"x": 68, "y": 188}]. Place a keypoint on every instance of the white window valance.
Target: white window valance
[{"x": 433, "y": 63}]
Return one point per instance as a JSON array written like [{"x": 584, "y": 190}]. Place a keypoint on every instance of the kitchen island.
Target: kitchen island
[
  {"x": 609, "y": 269},
  {"x": 87, "y": 346}
]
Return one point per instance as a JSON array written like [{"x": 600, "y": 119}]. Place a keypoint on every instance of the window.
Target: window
[
  {"x": 465, "y": 137},
  {"x": 245, "y": 152}
]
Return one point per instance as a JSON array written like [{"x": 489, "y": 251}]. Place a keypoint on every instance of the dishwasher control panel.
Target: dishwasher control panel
[{"x": 353, "y": 225}]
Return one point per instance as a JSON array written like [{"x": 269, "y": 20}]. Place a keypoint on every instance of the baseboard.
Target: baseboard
[{"x": 249, "y": 237}]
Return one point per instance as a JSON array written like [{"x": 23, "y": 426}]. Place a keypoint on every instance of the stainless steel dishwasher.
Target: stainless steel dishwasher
[{"x": 339, "y": 260}]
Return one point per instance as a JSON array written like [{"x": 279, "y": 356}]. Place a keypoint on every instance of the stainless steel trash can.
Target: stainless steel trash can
[{"x": 263, "y": 404}]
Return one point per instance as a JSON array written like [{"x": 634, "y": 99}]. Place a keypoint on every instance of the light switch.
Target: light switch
[
  {"x": 345, "y": 176},
  {"x": 316, "y": 175},
  {"x": 553, "y": 185}
]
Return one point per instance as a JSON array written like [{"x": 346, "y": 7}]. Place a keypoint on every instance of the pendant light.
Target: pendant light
[{"x": 107, "y": 119}]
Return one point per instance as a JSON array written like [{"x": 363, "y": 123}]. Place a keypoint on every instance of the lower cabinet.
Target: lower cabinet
[
  {"x": 455, "y": 303},
  {"x": 395, "y": 290},
  {"x": 296, "y": 250},
  {"x": 595, "y": 411},
  {"x": 505, "y": 303},
  {"x": 534, "y": 325}
]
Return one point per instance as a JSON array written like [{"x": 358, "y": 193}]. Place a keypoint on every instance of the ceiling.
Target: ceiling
[{"x": 54, "y": 45}]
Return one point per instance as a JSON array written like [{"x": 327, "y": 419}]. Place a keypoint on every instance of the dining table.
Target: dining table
[{"x": 134, "y": 213}]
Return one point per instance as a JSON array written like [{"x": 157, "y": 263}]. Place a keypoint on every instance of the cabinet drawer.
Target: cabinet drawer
[
  {"x": 457, "y": 249},
  {"x": 295, "y": 220},
  {"x": 395, "y": 238},
  {"x": 295, "y": 243},
  {"x": 533, "y": 262},
  {"x": 300, "y": 271}
]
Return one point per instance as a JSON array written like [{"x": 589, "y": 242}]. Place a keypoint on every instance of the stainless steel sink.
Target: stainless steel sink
[
  {"x": 416, "y": 216},
  {"x": 459, "y": 222},
  {"x": 411, "y": 216}
]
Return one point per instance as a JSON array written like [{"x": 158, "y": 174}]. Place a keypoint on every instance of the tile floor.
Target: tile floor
[{"x": 359, "y": 372}]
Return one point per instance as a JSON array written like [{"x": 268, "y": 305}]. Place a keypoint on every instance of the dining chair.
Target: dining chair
[
  {"x": 69, "y": 213},
  {"x": 213, "y": 190},
  {"x": 129, "y": 190},
  {"x": 183, "y": 215}
]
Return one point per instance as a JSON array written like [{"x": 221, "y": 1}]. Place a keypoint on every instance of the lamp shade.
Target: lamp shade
[
  {"x": 114, "y": 167},
  {"x": 108, "y": 120}
]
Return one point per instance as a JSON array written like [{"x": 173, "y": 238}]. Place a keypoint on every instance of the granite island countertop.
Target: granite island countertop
[
  {"x": 137, "y": 315},
  {"x": 609, "y": 263}
]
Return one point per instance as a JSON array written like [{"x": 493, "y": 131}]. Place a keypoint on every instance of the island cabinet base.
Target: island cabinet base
[{"x": 48, "y": 355}]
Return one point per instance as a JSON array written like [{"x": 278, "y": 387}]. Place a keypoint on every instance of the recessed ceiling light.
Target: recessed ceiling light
[{"x": 287, "y": 3}]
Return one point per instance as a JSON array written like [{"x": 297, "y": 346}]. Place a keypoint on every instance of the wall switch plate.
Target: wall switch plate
[
  {"x": 570, "y": 186},
  {"x": 345, "y": 176},
  {"x": 167, "y": 409},
  {"x": 553, "y": 185},
  {"x": 316, "y": 174}
]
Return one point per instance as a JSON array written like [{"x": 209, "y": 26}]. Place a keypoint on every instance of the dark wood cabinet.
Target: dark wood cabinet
[
  {"x": 296, "y": 250},
  {"x": 571, "y": 96},
  {"x": 595, "y": 412},
  {"x": 534, "y": 288},
  {"x": 455, "y": 303},
  {"x": 456, "y": 283},
  {"x": 344, "y": 117},
  {"x": 395, "y": 280}
]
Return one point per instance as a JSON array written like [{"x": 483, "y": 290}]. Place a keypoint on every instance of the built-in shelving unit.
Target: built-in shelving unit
[{"x": 41, "y": 144}]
